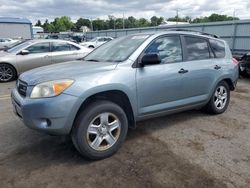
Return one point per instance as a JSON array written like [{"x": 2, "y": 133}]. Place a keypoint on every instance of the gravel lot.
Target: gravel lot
[{"x": 190, "y": 149}]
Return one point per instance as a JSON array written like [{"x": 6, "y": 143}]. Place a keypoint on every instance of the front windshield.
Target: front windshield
[
  {"x": 117, "y": 50},
  {"x": 18, "y": 47}
]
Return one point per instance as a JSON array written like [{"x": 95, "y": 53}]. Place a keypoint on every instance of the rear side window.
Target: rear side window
[
  {"x": 218, "y": 48},
  {"x": 63, "y": 46},
  {"x": 197, "y": 48}
]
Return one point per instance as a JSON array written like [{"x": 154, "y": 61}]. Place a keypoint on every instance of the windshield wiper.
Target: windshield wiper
[{"x": 95, "y": 60}]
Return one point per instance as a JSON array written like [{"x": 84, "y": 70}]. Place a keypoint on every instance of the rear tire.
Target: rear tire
[
  {"x": 99, "y": 130},
  {"x": 220, "y": 99},
  {"x": 7, "y": 73}
]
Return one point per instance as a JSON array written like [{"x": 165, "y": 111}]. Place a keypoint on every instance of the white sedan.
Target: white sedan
[
  {"x": 96, "y": 42},
  {"x": 6, "y": 42}
]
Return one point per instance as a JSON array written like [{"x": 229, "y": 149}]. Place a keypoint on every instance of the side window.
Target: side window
[
  {"x": 39, "y": 48},
  {"x": 218, "y": 48},
  {"x": 168, "y": 48},
  {"x": 60, "y": 47},
  {"x": 197, "y": 48},
  {"x": 73, "y": 47},
  {"x": 101, "y": 40},
  {"x": 107, "y": 39}
]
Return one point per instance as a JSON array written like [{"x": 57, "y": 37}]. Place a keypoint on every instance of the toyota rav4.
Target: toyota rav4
[{"x": 129, "y": 79}]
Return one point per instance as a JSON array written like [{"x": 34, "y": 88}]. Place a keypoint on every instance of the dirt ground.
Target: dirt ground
[{"x": 190, "y": 149}]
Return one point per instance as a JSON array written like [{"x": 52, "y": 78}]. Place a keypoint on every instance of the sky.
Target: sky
[{"x": 92, "y": 9}]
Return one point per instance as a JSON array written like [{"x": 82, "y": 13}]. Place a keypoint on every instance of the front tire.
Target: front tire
[
  {"x": 220, "y": 99},
  {"x": 7, "y": 73},
  {"x": 100, "y": 130}
]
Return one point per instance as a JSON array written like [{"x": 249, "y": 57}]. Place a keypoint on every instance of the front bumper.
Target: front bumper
[{"x": 50, "y": 115}]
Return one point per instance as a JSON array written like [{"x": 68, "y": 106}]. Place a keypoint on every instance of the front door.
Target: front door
[
  {"x": 38, "y": 55},
  {"x": 159, "y": 86}
]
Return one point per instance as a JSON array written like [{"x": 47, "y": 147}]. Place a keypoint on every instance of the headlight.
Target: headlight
[{"x": 50, "y": 89}]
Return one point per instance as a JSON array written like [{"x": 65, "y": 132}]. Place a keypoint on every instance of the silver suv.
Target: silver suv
[{"x": 129, "y": 79}]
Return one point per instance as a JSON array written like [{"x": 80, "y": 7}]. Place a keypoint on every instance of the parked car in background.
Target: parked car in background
[
  {"x": 96, "y": 42},
  {"x": 126, "y": 80},
  {"x": 245, "y": 65},
  {"x": 6, "y": 42},
  {"x": 36, "y": 53}
]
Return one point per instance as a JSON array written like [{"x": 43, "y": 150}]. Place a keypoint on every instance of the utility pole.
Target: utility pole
[
  {"x": 177, "y": 16},
  {"x": 91, "y": 24},
  {"x": 123, "y": 21}
]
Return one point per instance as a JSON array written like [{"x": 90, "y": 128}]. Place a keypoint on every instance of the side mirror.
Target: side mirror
[
  {"x": 150, "y": 59},
  {"x": 24, "y": 52}
]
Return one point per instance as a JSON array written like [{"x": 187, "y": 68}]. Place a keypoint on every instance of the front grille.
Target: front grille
[{"x": 22, "y": 87}]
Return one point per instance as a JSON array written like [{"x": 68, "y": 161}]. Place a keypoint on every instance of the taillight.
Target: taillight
[{"x": 235, "y": 61}]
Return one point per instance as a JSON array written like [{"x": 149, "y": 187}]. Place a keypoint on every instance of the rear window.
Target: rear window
[
  {"x": 218, "y": 48},
  {"x": 197, "y": 48}
]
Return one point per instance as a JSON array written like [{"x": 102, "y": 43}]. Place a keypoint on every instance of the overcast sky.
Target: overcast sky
[{"x": 42, "y": 9}]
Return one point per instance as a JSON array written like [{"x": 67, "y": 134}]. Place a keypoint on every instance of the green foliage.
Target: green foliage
[
  {"x": 179, "y": 19},
  {"x": 214, "y": 18},
  {"x": 64, "y": 23},
  {"x": 38, "y": 23}
]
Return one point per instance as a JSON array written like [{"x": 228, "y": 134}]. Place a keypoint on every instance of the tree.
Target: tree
[
  {"x": 47, "y": 26},
  {"x": 82, "y": 22},
  {"x": 62, "y": 24},
  {"x": 39, "y": 24},
  {"x": 214, "y": 18},
  {"x": 131, "y": 22},
  {"x": 155, "y": 21},
  {"x": 180, "y": 19},
  {"x": 142, "y": 22}
]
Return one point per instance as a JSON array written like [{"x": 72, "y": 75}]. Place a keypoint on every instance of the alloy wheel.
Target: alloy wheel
[
  {"x": 103, "y": 131},
  {"x": 220, "y": 97},
  {"x": 6, "y": 73}
]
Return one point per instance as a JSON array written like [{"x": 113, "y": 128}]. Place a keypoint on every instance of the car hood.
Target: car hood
[
  {"x": 3, "y": 53},
  {"x": 68, "y": 70}
]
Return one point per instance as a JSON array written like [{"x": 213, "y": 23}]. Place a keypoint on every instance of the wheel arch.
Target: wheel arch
[
  {"x": 230, "y": 83},
  {"x": 116, "y": 96}
]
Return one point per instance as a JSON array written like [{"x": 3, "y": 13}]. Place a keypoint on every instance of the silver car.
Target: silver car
[{"x": 36, "y": 53}]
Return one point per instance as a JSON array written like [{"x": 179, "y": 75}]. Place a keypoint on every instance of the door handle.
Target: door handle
[
  {"x": 46, "y": 56},
  {"x": 217, "y": 67},
  {"x": 183, "y": 71}
]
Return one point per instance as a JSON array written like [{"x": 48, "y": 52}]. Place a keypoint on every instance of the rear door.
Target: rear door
[
  {"x": 39, "y": 55},
  {"x": 64, "y": 51},
  {"x": 200, "y": 74}
]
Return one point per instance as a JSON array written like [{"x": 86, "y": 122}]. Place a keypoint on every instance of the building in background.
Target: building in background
[
  {"x": 38, "y": 32},
  {"x": 85, "y": 29},
  {"x": 37, "y": 29},
  {"x": 16, "y": 28}
]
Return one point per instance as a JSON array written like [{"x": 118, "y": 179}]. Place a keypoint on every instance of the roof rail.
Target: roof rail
[{"x": 198, "y": 32}]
